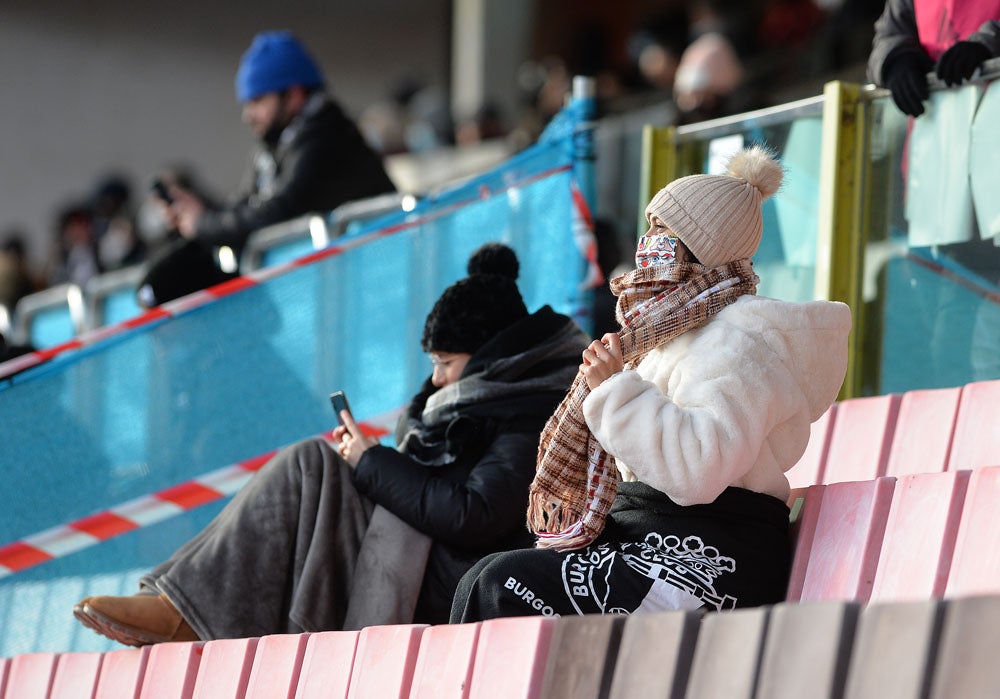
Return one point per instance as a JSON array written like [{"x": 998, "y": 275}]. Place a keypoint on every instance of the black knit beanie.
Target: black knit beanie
[{"x": 473, "y": 310}]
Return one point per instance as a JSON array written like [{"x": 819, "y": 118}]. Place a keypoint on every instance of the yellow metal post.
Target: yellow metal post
[
  {"x": 659, "y": 165},
  {"x": 842, "y": 212}
]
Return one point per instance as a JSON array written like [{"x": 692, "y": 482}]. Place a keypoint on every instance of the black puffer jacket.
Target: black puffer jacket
[
  {"x": 325, "y": 164},
  {"x": 476, "y": 504}
]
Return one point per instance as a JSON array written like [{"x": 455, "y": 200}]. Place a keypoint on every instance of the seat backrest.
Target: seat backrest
[
  {"x": 977, "y": 437},
  {"x": 76, "y": 675},
  {"x": 966, "y": 663},
  {"x": 893, "y": 650},
  {"x": 276, "y": 666},
  {"x": 122, "y": 673},
  {"x": 224, "y": 672},
  {"x": 112, "y": 297},
  {"x": 807, "y": 649},
  {"x": 924, "y": 430},
  {"x": 727, "y": 654},
  {"x": 30, "y": 675},
  {"x": 171, "y": 671},
  {"x": 327, "y": 665},
  {"x": 582, "y": 656},
  {"x": 809, "y": 468},
  {"x": 444, "y": 662},
  {"x": 975, "y": 566},
  {"x": 862, "y": 435},
  {"x": 805, "y": 516},
  {"x": 845, "y": 546},
  {"x": 384, "y": 661},
  {"x": 661, "y": 642},
  {"x": 511, "y": 657},
  {"x": 50, "y": 317},
  {"x": 920, "y": 536}
]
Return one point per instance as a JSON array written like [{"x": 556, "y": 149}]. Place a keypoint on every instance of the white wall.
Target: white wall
[{"x": 100, "y": 85}]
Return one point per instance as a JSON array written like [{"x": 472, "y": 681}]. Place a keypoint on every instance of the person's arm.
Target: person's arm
[
  {"x": 727, "y": 402},
  {"x": 329, "y": 166},
  {"x": 895, "y": 33},
  {"x": 475, "y": 513}
]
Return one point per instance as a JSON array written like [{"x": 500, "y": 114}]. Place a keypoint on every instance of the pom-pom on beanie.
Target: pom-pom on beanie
[
  {"x": 275, "y": 62},
  {"x": 718, "y": 217},
  {"x": 472, "y": 311}
]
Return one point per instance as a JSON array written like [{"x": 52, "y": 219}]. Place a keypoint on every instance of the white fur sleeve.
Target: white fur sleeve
[{"x": 696, "y": 447}]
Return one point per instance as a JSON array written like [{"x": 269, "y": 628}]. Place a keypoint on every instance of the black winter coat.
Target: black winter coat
[
  {"x": 477, "y": 504},
  {"x": 326, "y": 164}
]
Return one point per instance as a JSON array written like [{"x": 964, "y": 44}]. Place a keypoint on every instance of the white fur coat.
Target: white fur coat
[{"x": 728, "y": 404}]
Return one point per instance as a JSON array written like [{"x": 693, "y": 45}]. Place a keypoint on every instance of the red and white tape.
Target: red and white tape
[{"x": 63, "y": 540}]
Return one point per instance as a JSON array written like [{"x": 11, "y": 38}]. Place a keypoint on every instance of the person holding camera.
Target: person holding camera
[
  {"x": 312, "y": 157},
  {"x": 353, "y": 534}
]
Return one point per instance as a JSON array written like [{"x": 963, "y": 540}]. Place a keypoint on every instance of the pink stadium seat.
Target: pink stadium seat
[
  {"x": 975, "y": 567},
  {"x": 276, "y": 665},
  {"x": 385, "y": 661},
  {"x": 171, "y": 671},
  {"x": 920, "y": 536},
  {"x": 511, "y": 657},
  {"x": 848, "y": 537},
  {"x": 224, "y": 672},
  {"x": 924, "y": 430},
  {"x": 977, "y": 436},
  {"x": 327, "y": 665},
  {"x": 30, "y": 676},
  {"x": 862, "y": 434},
  {"x": 805, "y": 517},
  {"x": 121, "y": 674},
  {"x": 809, "y": 468},
  {"x": 444, "y": 663},
  {"x": 76, "y": 675}
]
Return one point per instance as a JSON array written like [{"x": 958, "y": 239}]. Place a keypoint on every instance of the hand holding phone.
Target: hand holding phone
[
  {"x": 161, "y": 190},
  {"x": 339, "y": 402}
]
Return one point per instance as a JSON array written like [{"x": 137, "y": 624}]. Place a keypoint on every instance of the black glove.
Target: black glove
[
  {"x": 905, "y": 74},
  {"x": 960, "y": 61}
]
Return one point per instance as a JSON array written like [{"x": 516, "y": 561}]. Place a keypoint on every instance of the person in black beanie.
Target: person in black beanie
[
  {"x": 354, "y": 533},
  {"x": 914, "y": 37}
]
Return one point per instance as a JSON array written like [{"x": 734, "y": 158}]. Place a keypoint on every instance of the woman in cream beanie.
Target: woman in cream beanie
[{"x": 661, "y": 476}]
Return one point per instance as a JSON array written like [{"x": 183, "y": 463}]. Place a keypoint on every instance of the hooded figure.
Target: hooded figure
[{"x": 661, "y": 476}]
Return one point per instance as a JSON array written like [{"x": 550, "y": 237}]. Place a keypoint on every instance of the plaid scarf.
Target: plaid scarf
[{"x": 576, "y": 480}]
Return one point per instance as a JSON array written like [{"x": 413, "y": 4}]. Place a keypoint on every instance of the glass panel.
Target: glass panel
[{"x": 932, "y": 264}]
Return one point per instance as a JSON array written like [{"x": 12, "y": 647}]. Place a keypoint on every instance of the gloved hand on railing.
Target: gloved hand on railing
[
  {"x": 905, "y": 74},
  {"x": 960, "y": 61}
]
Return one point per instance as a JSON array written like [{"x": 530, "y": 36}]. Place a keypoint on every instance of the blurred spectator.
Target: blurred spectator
[
  {"x": 16, "y": 277},
  {"x": 914, "y": 36},
  {"x": 118, "y": 242},
  {"x": 709, "y": 80},
  {"x": 76, "y": 259},
  {"x": 312, "y": 156}
]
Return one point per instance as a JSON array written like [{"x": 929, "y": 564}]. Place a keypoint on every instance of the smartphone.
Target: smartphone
[
  {"x": 339, "y": 402},
  {"x": 161, "y": 190}
]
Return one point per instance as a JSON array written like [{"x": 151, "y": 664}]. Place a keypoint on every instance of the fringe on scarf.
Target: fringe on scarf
[{"x": 576, "y": 480}]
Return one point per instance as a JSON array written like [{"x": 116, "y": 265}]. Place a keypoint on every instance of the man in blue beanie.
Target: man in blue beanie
[{"x": 312, "y": 156}]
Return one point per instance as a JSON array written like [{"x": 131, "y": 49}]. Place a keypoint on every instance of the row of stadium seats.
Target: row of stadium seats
[
  {"x": 895, "y": 591},
  {"x": 58, "y": 314}
]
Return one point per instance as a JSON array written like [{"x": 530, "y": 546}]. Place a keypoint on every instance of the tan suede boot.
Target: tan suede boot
[{"x": 137, "y": 620}]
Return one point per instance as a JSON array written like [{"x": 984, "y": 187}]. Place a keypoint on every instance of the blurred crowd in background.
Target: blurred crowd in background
[{"x": 708, "y": 58}]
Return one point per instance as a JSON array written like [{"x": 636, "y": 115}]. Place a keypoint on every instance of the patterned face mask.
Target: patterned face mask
[{"x": 655, "y": 250}]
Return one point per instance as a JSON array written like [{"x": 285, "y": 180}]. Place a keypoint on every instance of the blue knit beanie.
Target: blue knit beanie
[{"x": 275, "y": 62}]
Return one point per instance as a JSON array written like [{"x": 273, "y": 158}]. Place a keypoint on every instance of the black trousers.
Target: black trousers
[{"x": 653, "y": 555}]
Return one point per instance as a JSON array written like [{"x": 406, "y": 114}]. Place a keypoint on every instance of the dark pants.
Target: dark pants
[
  {"x": 280, "y": 556},
  {"x": 652, "y": 556}
]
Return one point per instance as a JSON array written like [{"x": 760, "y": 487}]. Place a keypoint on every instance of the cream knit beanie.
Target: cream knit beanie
[{"x": 718, "y": 216}]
